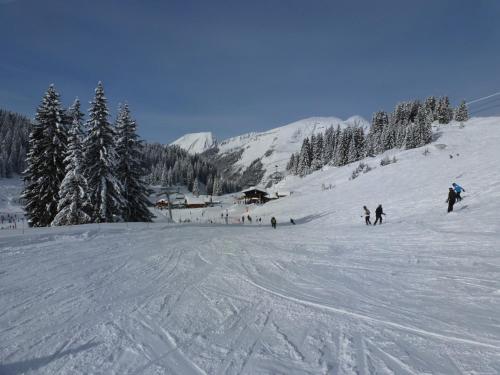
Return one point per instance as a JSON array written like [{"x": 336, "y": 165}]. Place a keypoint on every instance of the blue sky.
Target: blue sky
[{"x": 237, "y": 66}]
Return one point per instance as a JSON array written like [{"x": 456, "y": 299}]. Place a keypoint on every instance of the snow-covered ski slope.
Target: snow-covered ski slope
[{"x": 417, "y": 295}]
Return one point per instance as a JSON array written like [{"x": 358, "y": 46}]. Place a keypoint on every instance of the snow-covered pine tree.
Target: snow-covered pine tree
[
  {"x": 291, "y": 163},
  {"x": 352, "y": 154},
  {"x": 217, "y": 187},
  {"x": 74, "y": 205},
  {"x": 360, "y": 142},
  {"x": 317, "y": 152},
  {"x": 412, "y": 138},
  {"x": 342, "y": 152},
  {"x": 431, "y": 107},
  {"x": 356, "y": 145},
  {"x": 374, "y": 144},
  {"x": 424, "y": 126},
  {"x": 130, "y": 169},
  {"x": 101, "y": 161},
  {"x": 189, "y": 177},
  {"x": 329, "y": 145},
  {"x": 210, "y": 185},
  {"x": 46, "y": 166},
  {"x": 388, "y": 138},
  {"x": 304, "y": 164},
  {"x": 196, "y": 187},
  {"x": 462, "y": 113},
  {"x": 444, "y": 110}
]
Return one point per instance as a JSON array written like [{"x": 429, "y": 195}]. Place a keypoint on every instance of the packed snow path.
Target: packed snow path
[{"x": 242, "y": 300}]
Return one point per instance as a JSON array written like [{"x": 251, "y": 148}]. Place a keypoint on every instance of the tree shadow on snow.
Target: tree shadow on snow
[{"x": 34, "y": 364}]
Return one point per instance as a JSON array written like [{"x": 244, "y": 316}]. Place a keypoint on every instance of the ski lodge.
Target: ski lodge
[{"x": 255, "y": 195}]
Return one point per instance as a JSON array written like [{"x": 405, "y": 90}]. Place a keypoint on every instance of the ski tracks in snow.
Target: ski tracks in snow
[{"x": 181, "y": 300}]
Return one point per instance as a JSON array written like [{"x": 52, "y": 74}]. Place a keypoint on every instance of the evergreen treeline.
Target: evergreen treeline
[
  {"x": 408, "y": 126},
  {"x": 14, "y": 134},
  {"x": 80, "y": 173},
  {"x": 171, "y": 166}
]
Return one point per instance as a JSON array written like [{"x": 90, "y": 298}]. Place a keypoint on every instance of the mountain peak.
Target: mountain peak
[{"x": 196, "y": 143}]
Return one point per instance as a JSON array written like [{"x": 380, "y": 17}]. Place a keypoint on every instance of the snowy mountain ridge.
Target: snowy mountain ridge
[
  {"x": 196, "y": 143},
  {"x": 273, "y": 147}
]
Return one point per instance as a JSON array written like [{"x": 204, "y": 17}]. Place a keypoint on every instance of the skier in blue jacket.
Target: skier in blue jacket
[{"x": 458, "y": 189}]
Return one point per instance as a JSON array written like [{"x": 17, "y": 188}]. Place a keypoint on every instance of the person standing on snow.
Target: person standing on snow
[
  {"x": 273, "y": 222},
  {"x": 367, "y": 215},
  {"x": 458, "y": 189},
  {"x": 378, "y": 214},
  {"x": 452, "y": 197}
]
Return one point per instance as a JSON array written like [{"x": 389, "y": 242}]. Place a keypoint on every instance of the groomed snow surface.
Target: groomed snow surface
[{"x": 418, "y": 295}]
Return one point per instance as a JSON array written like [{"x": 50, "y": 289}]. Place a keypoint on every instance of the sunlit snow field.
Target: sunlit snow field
[{"x": 418, "y": 295}]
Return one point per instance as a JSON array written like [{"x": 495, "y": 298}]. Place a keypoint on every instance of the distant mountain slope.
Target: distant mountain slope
[
  {"x": 196, "y": 143},
  {"x": 274, "y": 147}
]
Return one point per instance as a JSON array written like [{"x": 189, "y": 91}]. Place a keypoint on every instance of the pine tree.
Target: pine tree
[
  {"x": 424, "y": 126},
  {"x": 444, "y": 110},
  {"x": 101, "y": 161},
  {"x": 304, "y": 164},
  {"x": 130, "y": 169},
  {"x": 46, "y": 166},
  {"x": 374, "y": 144},
  {"x": 342, "y": 153},
  {"x": 74, "y": 200},
  {"x": 431, "y": 107},
  {"x": 217, "y": 187},
  {"x": 388, "y": 138},
  {"x": 196, "y": 187},
  {"x": 317, "y": 152},
  {"x": 462, "y": 113},
  {"x": 328, "y": 145},
  {"x": 412, "y": 138},
  {"x": 210, "y": 185},
  {"x": 291, "y": 163}
]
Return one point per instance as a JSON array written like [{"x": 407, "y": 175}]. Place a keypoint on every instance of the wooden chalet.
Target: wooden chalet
[
  {"x": 194, "y": 202},
  {"x": 255, "y": 195}
]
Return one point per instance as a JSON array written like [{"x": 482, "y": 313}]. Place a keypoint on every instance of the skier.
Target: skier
[
  {"x": 367, "y": 216},
  {"x": 243, "y": 219},
  {"x": 273, "y": 222},
  {"x": 452, "y": 197},
  {"x": 458, "y": 189},
  {"x": 249, "y": 218},
  {"x": 378, "y": 214},
  {"x": 292, "y": 221}
]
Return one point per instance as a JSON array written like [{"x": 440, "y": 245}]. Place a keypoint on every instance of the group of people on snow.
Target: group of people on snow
[
  {"x": 379, "y": 211},
  {"x": 454, "y": 195}
]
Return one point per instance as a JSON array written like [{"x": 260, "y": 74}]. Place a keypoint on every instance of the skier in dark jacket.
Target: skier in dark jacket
[
  {"x": 452, "y": 197},
  {"x": 367, "y": 215},
  {"x": 273, "y": 222},
  {"x": 378, "y": 214},
  {"x": 292, "y": 221},
  {"x": 458, "y": 189}
]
